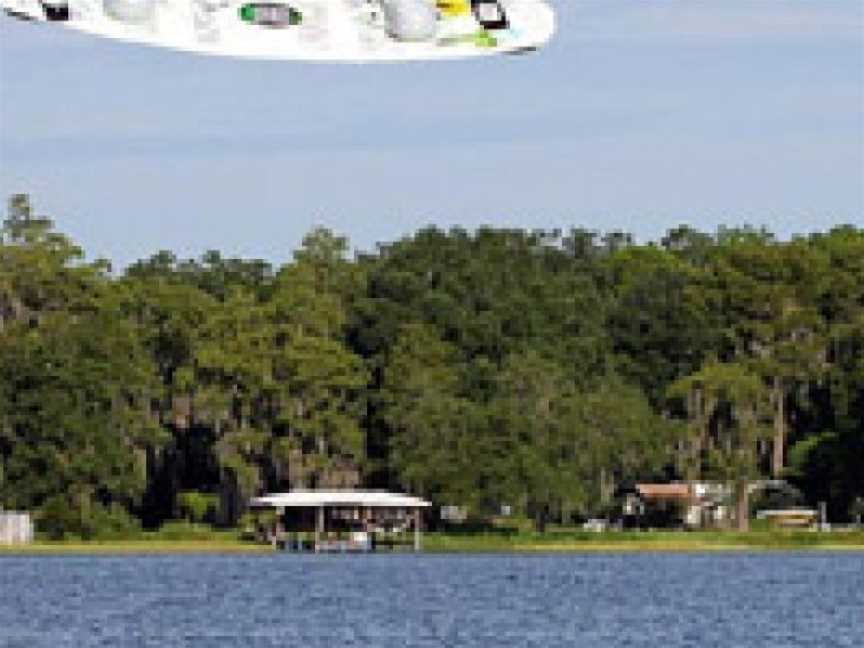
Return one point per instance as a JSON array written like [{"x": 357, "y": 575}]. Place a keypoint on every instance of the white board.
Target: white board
[{"x": 311, "y": 30}]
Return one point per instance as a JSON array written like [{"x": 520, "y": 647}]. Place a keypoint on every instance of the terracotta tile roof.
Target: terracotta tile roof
[{"x": 664, "y": 491}]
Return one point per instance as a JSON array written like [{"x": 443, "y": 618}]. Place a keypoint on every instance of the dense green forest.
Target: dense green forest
[{"x": 542, "y": 370}]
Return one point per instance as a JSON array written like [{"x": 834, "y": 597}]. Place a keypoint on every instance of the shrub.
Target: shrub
[
  {"x": 110, "y": 523},
  {"x": 60, "y": 519},
  {"x": 57, "y": 518},
  {"x": 198, "y": 506},
  {"x": 185, "y": 530}
]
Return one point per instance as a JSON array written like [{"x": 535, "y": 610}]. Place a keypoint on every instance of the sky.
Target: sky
[{"x": 640, "y": 115}]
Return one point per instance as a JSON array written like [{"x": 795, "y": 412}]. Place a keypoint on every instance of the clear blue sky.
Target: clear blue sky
[{"x": 641, "y": 114}]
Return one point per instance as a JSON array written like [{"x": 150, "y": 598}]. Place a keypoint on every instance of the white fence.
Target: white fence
[{"x": 15, "y": 528}]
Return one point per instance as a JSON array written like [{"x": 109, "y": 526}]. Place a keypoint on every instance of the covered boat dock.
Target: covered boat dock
[{"x": 342, "y": 520}]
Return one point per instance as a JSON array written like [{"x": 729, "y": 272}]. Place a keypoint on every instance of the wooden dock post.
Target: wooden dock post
[{"x": 319, "y": 528}]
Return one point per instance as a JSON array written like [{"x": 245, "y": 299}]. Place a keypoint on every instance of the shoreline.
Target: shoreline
[
  {"x": 434, "y": 543},
  {"x": 131, "y": 547},
  {"x": 682, "y": 548},
  {"x": 653, "y": 541}
]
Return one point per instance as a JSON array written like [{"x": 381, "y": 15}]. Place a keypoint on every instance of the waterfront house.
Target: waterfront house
[{"x": 694, "y": 505}]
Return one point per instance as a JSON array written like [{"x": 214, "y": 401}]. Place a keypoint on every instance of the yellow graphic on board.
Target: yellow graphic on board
[{"x": 453, "y": 8}]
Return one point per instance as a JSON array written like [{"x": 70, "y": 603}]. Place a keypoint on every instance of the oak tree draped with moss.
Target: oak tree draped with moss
[{"x": 543, "y": 370}]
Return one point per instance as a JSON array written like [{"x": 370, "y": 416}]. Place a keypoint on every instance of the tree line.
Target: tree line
[{"x": 541, "y": 370}]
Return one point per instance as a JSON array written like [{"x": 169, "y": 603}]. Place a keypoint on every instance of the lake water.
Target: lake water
[{"x": 657, "y": 600}]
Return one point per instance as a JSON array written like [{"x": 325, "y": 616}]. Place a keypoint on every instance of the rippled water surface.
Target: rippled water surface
[{"x": 657, "y": 600}]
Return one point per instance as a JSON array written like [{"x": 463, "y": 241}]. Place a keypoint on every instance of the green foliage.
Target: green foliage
[
  {"x": 60, "y": 518},
  {"x": 197, "y": 506},
  {"x": 175, "y": 530},
  {"x": 540, "y": 370}
]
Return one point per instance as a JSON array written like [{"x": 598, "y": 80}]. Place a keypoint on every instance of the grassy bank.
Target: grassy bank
[
  {"x": 135, "y": 547},
  {"x": 644, "y": 541},
  {"x": 173, "y": 537},
  {"x": 554, "y": 541}
]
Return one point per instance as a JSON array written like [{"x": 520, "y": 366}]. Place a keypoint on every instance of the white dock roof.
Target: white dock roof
[{"x": 314, "y": 498}]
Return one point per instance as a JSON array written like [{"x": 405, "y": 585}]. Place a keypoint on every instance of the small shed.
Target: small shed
[
  {"x": 343, "y": 520},
  {"x": 799, "y": 517},
  {"x": 15, "y": 528}
]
